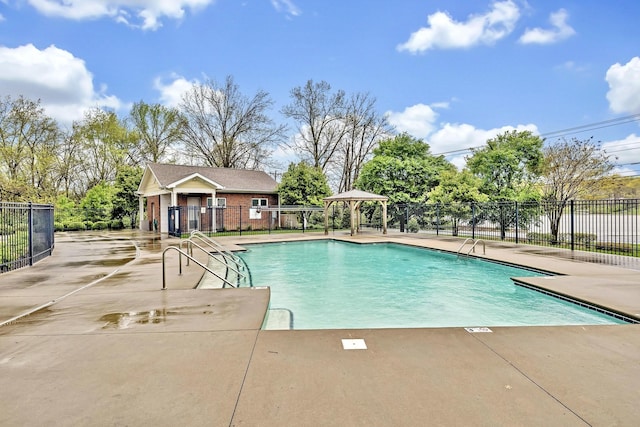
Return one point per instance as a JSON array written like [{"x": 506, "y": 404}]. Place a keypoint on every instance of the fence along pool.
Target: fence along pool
[{"x": 26, "y": 234}]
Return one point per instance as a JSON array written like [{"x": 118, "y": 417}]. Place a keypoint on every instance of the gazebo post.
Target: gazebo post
[
  {"x": 355, "y": 199},
  {"x": 326, "y": 217},
  {"x": 384, "y": 216},
  {"x": 352, "y": 209}
]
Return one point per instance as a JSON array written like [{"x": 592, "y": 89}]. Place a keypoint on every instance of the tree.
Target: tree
[
  {"x": 303, "y": 184},
  {"x": 456, "y": 193},
  {"x": 364, "y": 128},
  {"x": 98, "y": 202},
  {"x": 159, "y": 128},
  {"x": 571, "y": 167},
  {"x": 403, "y": 169},
  {"x": 224, "y": 128},
  {"x": 106, "y": 145},
  {"x": 28, "y": 144},
  {"x": 318, "y": 113},
  {"x": 69, "y": 167},
  {"x": 509, "y": 167},
  {"x": 125, "y": 200}
]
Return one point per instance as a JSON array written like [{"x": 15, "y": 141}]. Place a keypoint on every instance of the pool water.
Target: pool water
[{"x": 334, "y": 285}]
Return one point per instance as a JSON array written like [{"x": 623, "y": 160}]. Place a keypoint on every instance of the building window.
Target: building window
[
  {"x": 259, "y": 203},
  {"x": 221, "y": 202}
]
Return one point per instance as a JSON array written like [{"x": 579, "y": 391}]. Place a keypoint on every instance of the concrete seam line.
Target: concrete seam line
[
  {"x": 548, "y": 393},
  {"x": 244, "y": 378},
  {"x": 55, "y": 300}
]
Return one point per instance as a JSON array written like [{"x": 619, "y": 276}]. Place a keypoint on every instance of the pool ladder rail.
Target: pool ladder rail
[
  {"x": 232, "y": 261},
  {"x": 473, "y": 246},
  {"x": 221, "y": 255}
]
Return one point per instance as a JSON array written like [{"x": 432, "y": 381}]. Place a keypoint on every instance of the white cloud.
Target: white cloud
[
  {"x": 171, "y": 93},
  {"x": 286, "y": 6},
  {"x": 148, "y": 12},
  {"x": 560, "y": 31},
  {"x": 417, "y": 120},
  {"x": 624, "y": 87},
  {"x": 60, "y": 80},
  {"x": 445, "y": 33}
]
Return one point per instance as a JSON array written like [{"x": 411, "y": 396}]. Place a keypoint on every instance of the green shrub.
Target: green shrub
[
  {"x": 614, "y": 247},
  {"x": 58, "y": 226},
  {"x": 100, "y": 225},
  {"x": 88, "y": 225},
  {"x": 74, "y": 226},
  {"x": 585, "y": 238},
  {"x": 535, "y": 237},
  {"x": 116, "y": 224},
  {"x": 413, "y": 225}
]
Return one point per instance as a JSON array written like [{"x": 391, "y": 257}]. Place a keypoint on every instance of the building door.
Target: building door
[{"x": 193, "y": 206}]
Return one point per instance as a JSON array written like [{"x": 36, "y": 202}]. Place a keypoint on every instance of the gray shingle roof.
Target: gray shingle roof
[{"x": 231, "y": 179}]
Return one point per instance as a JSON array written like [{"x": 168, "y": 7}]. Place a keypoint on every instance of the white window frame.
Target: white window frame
[
  {"x": 221, "y": 202},
  {"x": 259, "y": 203}
]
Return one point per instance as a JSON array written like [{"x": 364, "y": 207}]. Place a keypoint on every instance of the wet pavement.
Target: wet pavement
[{"x": 88, "y": 337}]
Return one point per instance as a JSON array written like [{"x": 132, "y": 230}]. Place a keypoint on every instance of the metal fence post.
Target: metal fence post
[
  {"x": 517, "y": 222},
  {"x": 30, "y": 233},
  {"x": 438, "y": 219},
  {"x": 473, "y": 220},
  {"x": 572, "y": 225},
  {"x": 241, "y": 220},
  {"x": 407, "y": 218}
]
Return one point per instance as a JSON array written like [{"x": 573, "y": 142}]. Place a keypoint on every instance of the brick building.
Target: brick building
[{"x": 176, "y": 197}]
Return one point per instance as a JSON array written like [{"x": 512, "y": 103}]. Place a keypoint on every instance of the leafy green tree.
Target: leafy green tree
[
  {"x": 303, "y": 184},
  {"x": 403, "y": 169},
  {"x": 159, "y": 128},
  {"x": 125, "y": 200},
  {"x": 456, "y": 193},
  {"x": 65, "y": 210},
  {"x": 106, "y": 145},
  {"x": 98, "y": 202},
  {"x": 28, "y": 144},
  {"x": 509, "y": 167},
  {"x": 571, "y": 168}
]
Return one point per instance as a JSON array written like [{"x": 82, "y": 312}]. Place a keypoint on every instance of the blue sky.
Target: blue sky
[{"x": 453, "y": 73}]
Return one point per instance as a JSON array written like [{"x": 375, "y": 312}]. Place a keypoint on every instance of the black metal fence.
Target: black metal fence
[
  {"x": 610, "y": 226},
  {"x": 26, "y": 234},
  {"x": 240, "y": 220}
]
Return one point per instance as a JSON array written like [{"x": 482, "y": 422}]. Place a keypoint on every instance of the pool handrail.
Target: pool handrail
[
  {"x": 213, "y": 243},
  {"x": 191, "y": 243},
  {"x": 181, "y": 252},
  {"x": 239, "y": 262},
  {"x": 473, "y": 246}
]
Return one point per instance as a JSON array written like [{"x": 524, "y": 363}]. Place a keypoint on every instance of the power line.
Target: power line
[
  {"x": 563, "y": 132},
  {"x": 593, "y": 126}
]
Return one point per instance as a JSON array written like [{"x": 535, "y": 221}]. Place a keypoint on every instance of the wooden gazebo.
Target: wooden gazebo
[{"x": 355, "y": 199}]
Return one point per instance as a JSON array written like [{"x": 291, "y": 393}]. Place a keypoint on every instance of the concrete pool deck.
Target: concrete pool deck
[{"x": 103, "y": 345}]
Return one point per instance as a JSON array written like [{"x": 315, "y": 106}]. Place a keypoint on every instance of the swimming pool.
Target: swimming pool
[{"x": 330, "y": 284}]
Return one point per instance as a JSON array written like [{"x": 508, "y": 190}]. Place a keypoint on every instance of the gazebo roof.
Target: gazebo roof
[{"x": 355, "y": 195}]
